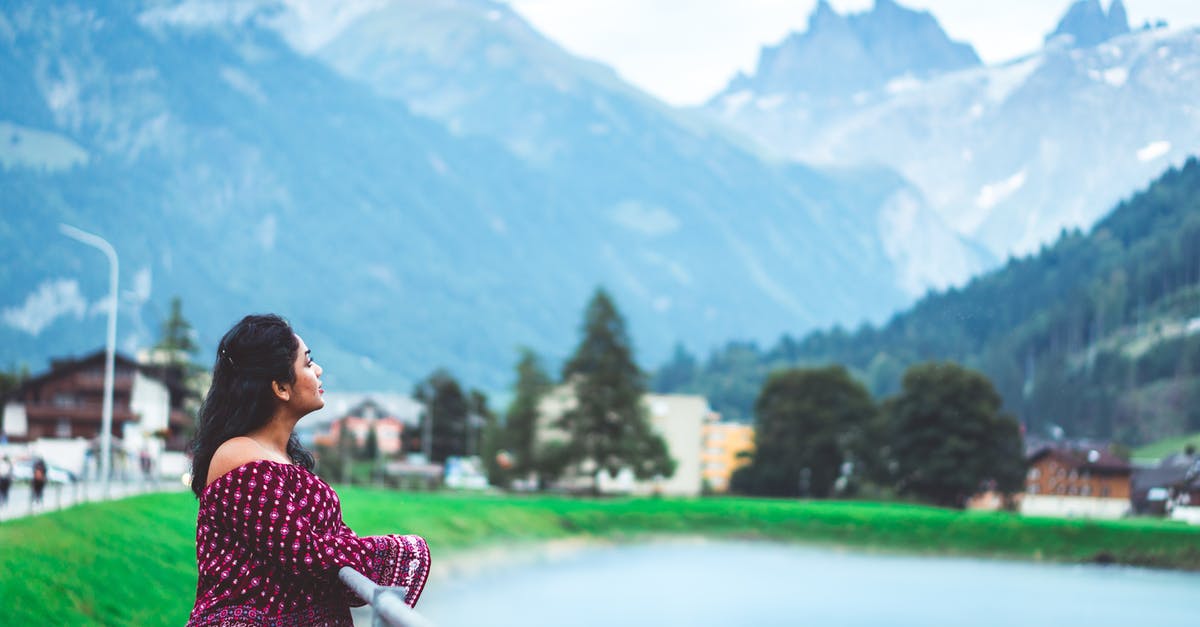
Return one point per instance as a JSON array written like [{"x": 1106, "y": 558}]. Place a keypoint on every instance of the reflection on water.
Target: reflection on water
[{"x": 743, "y": 583}]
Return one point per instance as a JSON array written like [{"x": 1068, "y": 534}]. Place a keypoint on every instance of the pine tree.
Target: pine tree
[
  {"x": 608, "y": 428},
  {"x": 176, "y": 340},
  {"x": 444, "y": 423},
  {"x": 520, "y": 426},
  {"x": 370, "y": 449},
  {"x": 479, "y": 419},
  {"x": 676, "y": 374}
]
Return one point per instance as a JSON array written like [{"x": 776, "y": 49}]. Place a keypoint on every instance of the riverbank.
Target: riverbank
[
  {"x": 465, "y": 520},
  {"x": 133, "y": 561}
]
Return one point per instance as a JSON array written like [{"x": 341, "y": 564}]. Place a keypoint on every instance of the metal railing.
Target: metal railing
[{"x": 387, "y": 602}]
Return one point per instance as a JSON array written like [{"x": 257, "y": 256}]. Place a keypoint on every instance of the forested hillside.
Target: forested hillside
[{"x": 1096, "y": 334}]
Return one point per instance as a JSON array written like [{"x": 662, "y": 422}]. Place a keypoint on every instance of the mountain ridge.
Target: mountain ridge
[
  {"x": 1011, "y": 153},
  {"x": 236, "y": 172},
  {"x": 838, "y": 56},
  {"x": 1094, "y": 334}
]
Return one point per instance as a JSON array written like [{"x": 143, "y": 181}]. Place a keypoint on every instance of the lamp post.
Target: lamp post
[{"x": 110, "y": 348}]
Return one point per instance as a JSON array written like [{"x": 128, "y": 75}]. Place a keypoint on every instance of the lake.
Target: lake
[{"x": 700, "y": 582}]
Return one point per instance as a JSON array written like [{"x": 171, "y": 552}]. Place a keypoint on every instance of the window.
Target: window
[
  {"x": 1033, "y": 488},
  {"x": 63, "y": 399},
  {"x": 63, "y": 428},
  {"x": 1035, "y": 474},
  {"x": 1104, "y": 491}
]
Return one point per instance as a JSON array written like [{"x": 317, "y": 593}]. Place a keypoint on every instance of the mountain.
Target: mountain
[
  {"x": 839, "y": 56},
  {"x": 482, "y": 70},
  {"x": 1086, "y": 23},
  {"x": 1010, "y": 154},
  {"x": 1096, "y": 334},
  {"x": 415, "y": 184}
]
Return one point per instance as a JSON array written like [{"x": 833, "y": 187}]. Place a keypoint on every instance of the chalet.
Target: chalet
[
  {"x": 1077, "y": 482},
  {"x": 368, "y": 415},
  {"x": 338, "y": 405},
  {"x": 1156, "y": 487},
  {"x": 64, "y": 404}
]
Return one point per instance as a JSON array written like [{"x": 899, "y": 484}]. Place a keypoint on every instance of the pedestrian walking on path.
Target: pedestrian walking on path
[
  {"x": 38, "y": 483},
  {"x": 6, "y": 478}
]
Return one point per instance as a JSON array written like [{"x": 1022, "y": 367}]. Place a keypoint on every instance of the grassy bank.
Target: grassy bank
[
  {"x": 132, "y": 562},
  {"x": 1153, "y": 452}
]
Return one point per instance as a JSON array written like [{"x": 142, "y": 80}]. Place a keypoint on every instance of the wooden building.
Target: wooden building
[
  {"x": 66, "y": 402},
  {"x": 1077, "y": 482}
]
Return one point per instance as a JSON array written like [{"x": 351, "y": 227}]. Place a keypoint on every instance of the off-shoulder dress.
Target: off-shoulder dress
[{"x": 269, "y": 542}]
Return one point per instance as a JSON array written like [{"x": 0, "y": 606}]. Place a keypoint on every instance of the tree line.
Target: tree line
[
  {"x": 1090, "y": 334},
  {"x": 941, "y": 439},
  {"x": 819, "y": 432},
  {"x": 605, "y": 428}
]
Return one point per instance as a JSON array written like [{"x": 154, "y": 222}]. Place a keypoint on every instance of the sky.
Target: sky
[{"x": 684, "y": 51}]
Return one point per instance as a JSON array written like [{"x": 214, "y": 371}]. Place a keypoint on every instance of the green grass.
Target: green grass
[
  {"x": 132, "y": 562},
  {"x": 1157, "y": 450}
]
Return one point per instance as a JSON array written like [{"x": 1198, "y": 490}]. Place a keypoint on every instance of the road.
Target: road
[{"x": 61, "y": 496}]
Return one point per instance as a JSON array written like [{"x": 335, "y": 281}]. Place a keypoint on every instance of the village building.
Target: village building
[
  {"x": 1170, "y": 488},
  {"x": 360, "y": 421},
  {"x": 389, "y": 413},
  {"x": 723, "y": 451},
  {"x": 1184, "y": 498},
  {"x": 1070, "y": 481},
  {"x": 1156, "y": 488},
  {"x": 679, "y": 419},
  {"x": 58, "y": 413}
]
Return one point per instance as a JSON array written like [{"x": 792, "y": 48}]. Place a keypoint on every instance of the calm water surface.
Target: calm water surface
[{"x": 746, "y": 583}]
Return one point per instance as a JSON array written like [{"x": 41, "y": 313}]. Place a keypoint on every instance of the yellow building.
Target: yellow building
[{"x": 723, "y": 441}]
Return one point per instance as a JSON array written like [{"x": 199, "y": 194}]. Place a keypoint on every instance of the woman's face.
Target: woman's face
[{"x": 306, "y": 393}]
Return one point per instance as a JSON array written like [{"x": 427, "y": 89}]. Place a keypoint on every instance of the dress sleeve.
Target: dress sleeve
[
  {"x": 397, "y": 560},
  {"x": 294, "y": 521}
]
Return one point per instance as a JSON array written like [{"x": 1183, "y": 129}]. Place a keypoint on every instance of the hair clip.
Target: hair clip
[{"x": 225, "y": 355}]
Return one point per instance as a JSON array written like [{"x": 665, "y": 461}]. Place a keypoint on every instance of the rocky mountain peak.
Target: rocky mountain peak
[
  {"x": 840, "y": 55},
  {"x": 1087, "y": 24}
]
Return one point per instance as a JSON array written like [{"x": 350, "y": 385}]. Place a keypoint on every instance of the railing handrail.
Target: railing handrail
[{"x": 387, "y": 602}]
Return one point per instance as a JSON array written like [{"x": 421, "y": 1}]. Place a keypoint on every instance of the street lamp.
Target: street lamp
[{"x": 110, "y": 347}]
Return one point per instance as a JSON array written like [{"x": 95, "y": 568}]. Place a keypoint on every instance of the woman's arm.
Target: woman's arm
[{"x": 286, "y": 516}]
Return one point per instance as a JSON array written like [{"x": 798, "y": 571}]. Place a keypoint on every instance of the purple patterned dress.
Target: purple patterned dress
[{"x": 269, "y": 542}]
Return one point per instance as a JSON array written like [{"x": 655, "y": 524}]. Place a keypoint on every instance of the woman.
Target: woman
[
  {"x": 6, "y": 470},
  {"x": 37, "y": 485},
  {"x": 269, "y": 536}
]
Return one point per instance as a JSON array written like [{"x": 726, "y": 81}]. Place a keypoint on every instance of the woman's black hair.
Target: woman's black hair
[{"x": 257, "y": 351}]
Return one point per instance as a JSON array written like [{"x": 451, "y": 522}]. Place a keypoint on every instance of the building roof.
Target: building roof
[
  {"x": 1090, "y": 459},
  {"x": 341, "y": 404},
  {"x": 68, "y": 365}
]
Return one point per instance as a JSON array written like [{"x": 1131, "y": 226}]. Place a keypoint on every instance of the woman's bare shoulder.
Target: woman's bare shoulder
[{"x": 232, "y": 453}]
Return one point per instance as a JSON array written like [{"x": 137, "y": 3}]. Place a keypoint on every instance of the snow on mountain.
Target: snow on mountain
[
  {"x": 1010, "y": 154},
  {"x": 841, "y": 55},
  {"x": 415, "y": 183}
]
